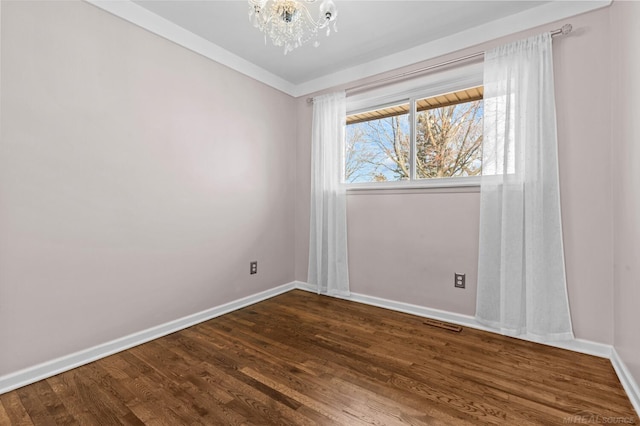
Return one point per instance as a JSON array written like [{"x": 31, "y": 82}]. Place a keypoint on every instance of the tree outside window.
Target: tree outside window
[{"x": 448, "y": 139}]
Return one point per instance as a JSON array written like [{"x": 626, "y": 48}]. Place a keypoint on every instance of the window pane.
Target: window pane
[
  {"x": 448, "y": 140},
  {"x": 377, "y": 147}
]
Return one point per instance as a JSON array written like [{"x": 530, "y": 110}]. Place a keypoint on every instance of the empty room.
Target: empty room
[{"x": 319, "y": 212}]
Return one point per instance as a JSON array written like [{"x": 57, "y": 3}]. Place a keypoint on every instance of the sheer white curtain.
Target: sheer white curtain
[
  {"x": 328, "y": 228},
  {"x": 521, "y": 273}
]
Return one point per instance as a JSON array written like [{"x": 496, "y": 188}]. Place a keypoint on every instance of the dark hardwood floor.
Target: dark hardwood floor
[{"x": 302, "y": 359}]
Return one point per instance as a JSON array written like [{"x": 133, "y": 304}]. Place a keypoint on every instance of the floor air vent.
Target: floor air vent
[{"x": 444, "y": 325}]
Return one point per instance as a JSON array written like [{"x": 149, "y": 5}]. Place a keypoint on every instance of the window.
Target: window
[
  {"x": 378, "y": 145},
  {"x": 416, "y": 140}
]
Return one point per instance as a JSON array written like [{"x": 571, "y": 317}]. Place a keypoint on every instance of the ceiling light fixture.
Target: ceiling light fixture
[{"x": 289, "y": 23}]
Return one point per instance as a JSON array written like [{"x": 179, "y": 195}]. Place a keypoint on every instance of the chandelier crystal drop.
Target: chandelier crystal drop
[{"x": 290, "y": 23}]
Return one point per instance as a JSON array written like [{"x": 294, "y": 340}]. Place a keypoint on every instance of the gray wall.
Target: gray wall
[
  {"x": 137, "y": 181},
  {"x": 625, "y": 112},
  {"x": 410, "y": 254}
]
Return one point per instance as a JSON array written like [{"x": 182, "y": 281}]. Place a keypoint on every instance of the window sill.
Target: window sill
[{"x": 464, "y": 184}]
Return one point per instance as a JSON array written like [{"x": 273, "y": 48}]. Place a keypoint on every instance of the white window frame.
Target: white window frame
[{"x": 410, "y": 92}]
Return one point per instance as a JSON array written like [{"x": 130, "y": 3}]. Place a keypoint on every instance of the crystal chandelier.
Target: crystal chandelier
[{"x": 289, "y": 23}]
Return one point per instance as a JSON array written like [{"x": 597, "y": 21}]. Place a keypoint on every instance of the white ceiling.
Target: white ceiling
[{"x": 372, "y": 37}]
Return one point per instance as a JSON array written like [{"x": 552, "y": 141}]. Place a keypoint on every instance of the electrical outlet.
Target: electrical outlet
[
  {"x": 253, "y": 267},
  {"x": 459, "y": 280}
]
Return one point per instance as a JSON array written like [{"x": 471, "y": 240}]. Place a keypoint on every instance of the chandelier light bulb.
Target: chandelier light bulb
[
  {"x": 289, "y": 23},
  {"x": 328, "y": 10}
]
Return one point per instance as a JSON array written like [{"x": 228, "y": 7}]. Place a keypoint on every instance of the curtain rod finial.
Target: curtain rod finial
[{"x": 566, "y": 29}]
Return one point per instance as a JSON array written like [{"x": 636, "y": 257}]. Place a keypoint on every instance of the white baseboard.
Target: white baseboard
[
  {"x": 628, "y": 382},
  {"x": 51, "y": 368},
  {"x": 576, "y": 345},
  {"x": 305, "y": 286}
]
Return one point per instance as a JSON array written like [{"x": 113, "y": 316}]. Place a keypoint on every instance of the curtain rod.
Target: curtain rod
[{"x": 566, "y": 29}]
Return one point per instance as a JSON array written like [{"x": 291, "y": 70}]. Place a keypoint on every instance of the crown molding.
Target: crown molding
[
  {"x": 138, "y": 15},
  {"x": 537, "y": 16},
  {"x": 522, "y": 21}
]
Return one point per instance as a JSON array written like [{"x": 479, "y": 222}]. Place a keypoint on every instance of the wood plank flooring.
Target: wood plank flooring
[{"x": 303, "y": 359}]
